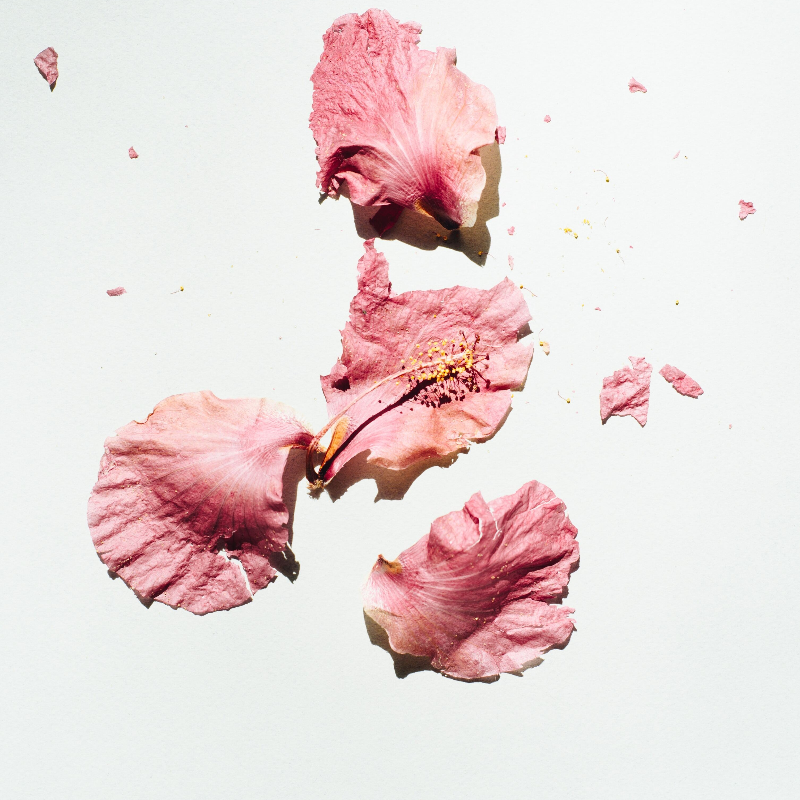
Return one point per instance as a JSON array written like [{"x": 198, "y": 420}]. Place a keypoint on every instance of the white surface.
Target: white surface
[{"x": 681, "y": 680}]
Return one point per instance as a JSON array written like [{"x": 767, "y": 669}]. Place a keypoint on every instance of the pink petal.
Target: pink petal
[
  {"x": 47, "y": 64},
  {"x": 547, "y": 118},
  {"x": 116, "y": 292},
  {"x": 476, "y": 594},
  {"x": 500, "y": 135},
  {"x": 397, "y": 418},
  {"x": 398, "y": 124},
  {"x": 635, "y": 86},
  {"x": 627, "y": 392},
  {"x": 132, "y": 153},
  {"x": 676, "y": 155},
  {"x": 745, "y": 209},
  {"x": 511, "y": 262},
  {"x": 188, "y": 506},
  {"x": 511, "y": 230},
  {"x": 680, "y": 381}
]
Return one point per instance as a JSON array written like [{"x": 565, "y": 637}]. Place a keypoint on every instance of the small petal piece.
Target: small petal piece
[
  {"x": 500, "y": 135},
  {"x": 188, "y": 506},
  {"x": 547, "y": 118},
  {"x": 745, "y": 209},
  {"x": 627, "y": 392},
  {"x": 511, "y": 262},
  {"x": 397, "y": 124},
  {"x": 680, "y": 381},
  {"x": 47, "y": 64},
  {"x": 116, "y": 292},
  {"x": 511, "y": 230},
  {"x": 476, "y": 595},
  {"x": 423, "y": 373},
  {"x": 132, "y": 153},
  {"x": 635, "y": 86},
  {"x": 676, "y": 155}
]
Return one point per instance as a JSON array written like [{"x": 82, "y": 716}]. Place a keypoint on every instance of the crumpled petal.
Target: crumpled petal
[
  {"x": 47, "y": 64},
  {"x": 745, "y": 209},
  {"x": 399, "y": 125},
  {"x": 188, "y": 505},
  {"x": 680, "y": 381},
  {"x": 627, "y": 392},
  {"x": 476, "y": 594},
  {"x": 378, "y": 395},
  {"x": 116, "y": 292},
  {"x": 635, "y": 86},
  {"x": 132, "y": 153}
]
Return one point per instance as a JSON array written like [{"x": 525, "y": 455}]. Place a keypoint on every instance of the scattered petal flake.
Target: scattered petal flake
[
  {"x": 397, "y": 124},
  {"x": 188, "y": 506},
  {"x": 547, "y": 118},
  {"x": 635, "y": 86},
  {"x": 500, "y": 135},
  {"x": 680, "y": 381},
  {"x": 511, "y": 262},
  {"x": 421, "y": 373},
  {"x": 116, "y": 292},
  {"x": 132, "y": 153},
  {"x": 597, "y": 308},
  {"x": 511, "y": 230},
  {"x": 47, "y": 64},
  {"x": 676, "y": 155},
  {"x": 627, "y": 392},
  {"x": 477, "y": 595},
  {"x": 745, "y": 209}
]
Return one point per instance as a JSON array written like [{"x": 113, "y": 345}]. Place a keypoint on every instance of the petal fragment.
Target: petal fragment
[
  {"x": 680, "y": 381},
  {"x": 635, "y": 86},
  {"x": 500, "y": 135},
  {"x": 627, "y": 392},
  {"x": 423, "y": 373},
  {"x": 476, "y": 595},
  {"x": 116, "y": 292},
  {"x": 47, "y": 64},
  {"x": 132, "y": 153},
  {"x": 397, "y": 124},
  {"x": 196, "y": 488},
  {"x": 745, "y": 209}
]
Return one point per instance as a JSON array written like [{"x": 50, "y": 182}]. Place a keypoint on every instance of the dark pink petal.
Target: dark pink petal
[
  {"x": 476, "y": 594},
  {"x": 547, "y": 118},
  {"x": 627, "y": 392},
  {"x": 47, "y": 64},
  {"x": 188, "y": 505},
  {"x": 132, "y": 153},
  {"x": 680, "y": 381},
  {"x": 116, "y": 292},
  {"x": 397, "y": 124},
  {"x": 500, "y": 135},
  {"x": 635, "y": 86},
  {"x": 745, "y": 209},
  {"x": 379, "y": 399}
]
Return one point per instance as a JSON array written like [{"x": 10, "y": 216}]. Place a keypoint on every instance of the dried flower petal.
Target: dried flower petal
[
  {"x": 476, "y": 594},
  {"x": 132, "y": 153},
  {"x": 116, "y": 292},
  {"x": 680, "y": 381},
  {"x": 627, "y": 392},
  {"x": 423, "y": 373},
  {"x": 635, "y": 86},
  {"x": 511, "y": 230},
  {"x": 500, "y": 135},
  {"x": 547, "y": 118},
  {"x": 397, "y": 124},
  {"x": 188, "y": 505},
  {"x": 47, "y": 64},
  {"x": 745, "y": 209}
]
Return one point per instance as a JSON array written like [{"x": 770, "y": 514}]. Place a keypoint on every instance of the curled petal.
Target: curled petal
[
  {"x": 399, "y": 125},
  {"x": 680, "y": 381},
  {"x": 635, "y": 86},
  {"x": 476, "y": 595},
  {"x": 627, "y": 392},
  {"x": 423, "y": 373},
  {"x": 188, "y": 506}
]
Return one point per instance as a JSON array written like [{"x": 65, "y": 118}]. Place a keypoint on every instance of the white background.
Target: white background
[{"x": 681, "y": 680}]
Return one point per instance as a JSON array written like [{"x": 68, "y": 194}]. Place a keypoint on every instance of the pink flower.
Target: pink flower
[
  {"x": 500, "y": 135},
  {"x": 745, "y": 209},
  {"x": 635, "y": 86},
  {"x": 680, "y": 381},
  {"x": 627, "y": 392},
  {"x": 47, "y": 64},
  {"x": 421, "y": 373},
  {"x": 476, "y": 595},
  {"x": 132, "y": 153},
  {"x": 188, "y": 506},
  {"x": 400, "y": 126}
]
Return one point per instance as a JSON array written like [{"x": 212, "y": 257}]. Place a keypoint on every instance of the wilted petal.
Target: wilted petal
[
  {"x": 188, "y": 505},
  {"x": 379, "y": 399},
  {"x": 745, "y": 209},
  {"x": 47, "y": 64},
  {"x": 116, "y": 292},
  {"x": 627, "y": 392},
  {"x": 399, "y": 125},
  {"x": 680, "y": 381},
  {"x": 475, "y": 594}
]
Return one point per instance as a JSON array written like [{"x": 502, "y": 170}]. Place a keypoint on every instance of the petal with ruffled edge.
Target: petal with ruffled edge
[
  {"x": 627, "y": 392},
  {"x": 399, "y": 125},
  {"x": 392, "y": 392},
  {"x": 476, "y": 595},
  {"x": 188, "y": 506}
]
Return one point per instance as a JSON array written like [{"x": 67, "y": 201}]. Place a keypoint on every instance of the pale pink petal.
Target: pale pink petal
[
  {"x": 132, "y": 153},
  {"x": 500, "y": 135},
  {"x": 680, "y": 381},
  {"x": 378, "y": 398},
  {"x": 635, "y": 86},
  {"x": 116, "y": 292},
  {"x": 547, "y": 118},
  {"x": 477, "y": 594},
  {"x": 47, "y": 64},
  {"x": 676, "y": 155},
  {"x": 188, "y": 505},
  {"x": 627, "y": 392},
  {"x": 745, "y": 209},
  {"x": 597, "y": 308},
  {"x": 511, "y": 230},
  {"x": 397, "y": 124},
  {"x": 511, "y": 262}
]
